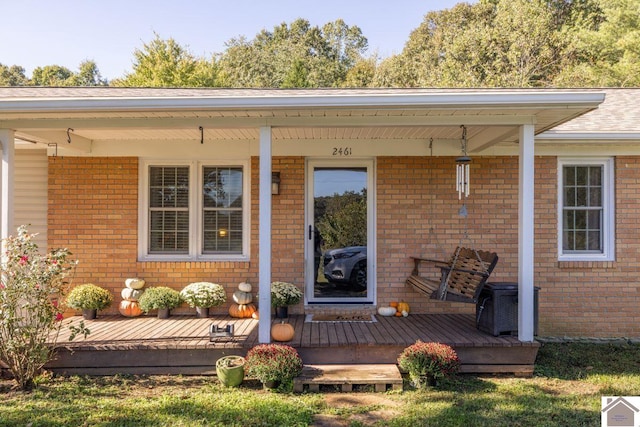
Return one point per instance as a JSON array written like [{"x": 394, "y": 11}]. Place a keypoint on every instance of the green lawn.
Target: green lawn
[{"x": 565, "y": 391}]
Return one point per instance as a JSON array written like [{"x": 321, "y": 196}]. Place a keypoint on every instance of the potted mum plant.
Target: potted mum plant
[
  {"x": 275, "y": 365},
  {"x": 203, "y": 295},
  {"x": 428, "y": 362},
  {"x": 89, "y": 298},
  {"x": 160, "y": 298},
  {"x": 284, "y": 294}
]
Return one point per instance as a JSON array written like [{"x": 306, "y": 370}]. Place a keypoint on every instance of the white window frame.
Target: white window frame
[
  {"x": 608, "y": 207},
  {"x": 196, "y": 209}
]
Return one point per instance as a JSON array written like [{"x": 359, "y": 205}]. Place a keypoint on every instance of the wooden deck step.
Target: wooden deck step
[{"x": 379, "y": 376}]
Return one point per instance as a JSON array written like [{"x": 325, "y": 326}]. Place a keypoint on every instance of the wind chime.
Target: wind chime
[{"x": 462, "y": 172}]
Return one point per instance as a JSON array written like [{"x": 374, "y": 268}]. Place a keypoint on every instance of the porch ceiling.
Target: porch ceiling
[{"x": 116, "y": 114}]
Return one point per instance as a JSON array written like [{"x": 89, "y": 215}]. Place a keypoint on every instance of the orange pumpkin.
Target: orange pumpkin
[
  {"x": 130, "y": 308},
  {"x": 393, "y": 304},
  {"x": 242, "y": 311},
  {"x": 398, "y": 314},
  {"x": 282, "y": 332}
]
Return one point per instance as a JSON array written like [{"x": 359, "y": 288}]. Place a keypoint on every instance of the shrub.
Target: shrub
[
  {"x": 427, "y": 362},
  {"x": 274, "y": 363},
  {"x": 283, "y": 294},
  {"x": 203, "y": 294},
  {"x": 159, "y": 297},
  {"x": 31, "y": 291},
  {"x": 89, "y": 297}
]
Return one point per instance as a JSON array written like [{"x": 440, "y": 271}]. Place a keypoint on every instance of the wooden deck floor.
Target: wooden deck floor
[{"x": 181, "y": 344}]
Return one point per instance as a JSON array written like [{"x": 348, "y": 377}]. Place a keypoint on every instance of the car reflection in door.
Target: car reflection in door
[{"x": 347, "y": 266}]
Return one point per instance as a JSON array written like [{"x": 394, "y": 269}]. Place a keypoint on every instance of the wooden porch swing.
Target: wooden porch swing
[
  {"x": 462, "y": 277},
  {"x": 465, "y": 273}
]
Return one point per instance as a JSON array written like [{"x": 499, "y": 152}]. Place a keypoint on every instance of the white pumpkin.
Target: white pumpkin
[
  {"x": 134, "y": 283},
  {"x": 240, "y": 297},
  {"x": 386, "y": 311},
  {"x": 245, "y": 287},
  {"x": 129, "y": 294}
]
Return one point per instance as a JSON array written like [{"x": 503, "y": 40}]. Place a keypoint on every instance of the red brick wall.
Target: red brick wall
[{"x": 93, "y": 208}]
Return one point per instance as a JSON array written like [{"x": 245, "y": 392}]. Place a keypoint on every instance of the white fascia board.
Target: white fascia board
[{"x": 587, "y": 100}]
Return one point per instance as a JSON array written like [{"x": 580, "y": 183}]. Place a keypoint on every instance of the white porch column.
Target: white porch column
[
  {"x": 8, "y": 165},
  {"x": 264, "y": 255},
  {"x": 526, "y": 233}
]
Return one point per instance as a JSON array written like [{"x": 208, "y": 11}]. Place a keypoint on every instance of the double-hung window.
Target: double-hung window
[
  {"x": 586, "y": 209},
  {"x": 194, "y": 211}
]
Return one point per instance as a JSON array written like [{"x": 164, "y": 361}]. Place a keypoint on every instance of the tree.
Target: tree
[
  {"x": 12, "y": 76},
  {"x": 165, "y": 63},
  {"x": 293, "y": 55},
  {"x": 88, "y": 75},
  {"x": 606, "y": 40},
  {"x": 51, "y": 75},
  {"x": 511, "y": 43}
]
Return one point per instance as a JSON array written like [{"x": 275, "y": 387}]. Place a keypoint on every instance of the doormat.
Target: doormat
[{"x": 311, "y": 318}]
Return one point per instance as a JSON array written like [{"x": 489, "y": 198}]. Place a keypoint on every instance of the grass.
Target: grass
[{"x": 565, "y": 391}]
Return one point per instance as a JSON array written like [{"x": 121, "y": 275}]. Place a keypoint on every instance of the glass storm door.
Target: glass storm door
[{"x": 339, "y": 267}]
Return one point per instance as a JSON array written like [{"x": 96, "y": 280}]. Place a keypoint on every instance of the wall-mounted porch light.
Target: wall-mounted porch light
[{"x": 275, "y": 182}]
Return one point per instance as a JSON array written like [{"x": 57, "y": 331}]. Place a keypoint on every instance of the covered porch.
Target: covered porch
[
  {"x": 101, "y": 144},
  {"x": 182, "y": 344}
]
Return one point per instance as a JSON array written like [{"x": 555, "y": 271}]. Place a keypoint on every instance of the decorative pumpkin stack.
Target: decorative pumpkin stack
[
  {"x": 129, "y": 306},
  {"x": 243, "y": 307},
  {"x": 398, "y": 309}
]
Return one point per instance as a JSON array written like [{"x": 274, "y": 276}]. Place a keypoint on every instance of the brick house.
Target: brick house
[{"x": 165, "y": 184}]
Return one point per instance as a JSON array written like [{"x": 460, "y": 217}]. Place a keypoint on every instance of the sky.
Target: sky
[{"x": 66, "y": 32}]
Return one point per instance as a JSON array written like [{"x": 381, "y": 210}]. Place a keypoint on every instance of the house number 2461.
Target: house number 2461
[{"x": 342, "y": 151}]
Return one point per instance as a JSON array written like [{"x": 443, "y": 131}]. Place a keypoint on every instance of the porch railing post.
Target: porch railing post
[
  {"x": 264, "y": 274},
  {"x": 526, "y": 234}
]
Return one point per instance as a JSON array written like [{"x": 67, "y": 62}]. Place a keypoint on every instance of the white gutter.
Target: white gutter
[
  {"x": 587, "y": 136},
  {"x": 588, "y": 100}
]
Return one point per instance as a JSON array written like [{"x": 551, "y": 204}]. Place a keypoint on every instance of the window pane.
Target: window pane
[
  {"x": 595, "y": 175},
  {"x": 583, "y": 212},
  {"x": 222, "y": 214},
  {"x": 222, "y": 187},
  {"x": 570, "y": 196},
  {"x": 595, "y": 196},
  {"x": 569, "y": 174},
  {"x": 580, "y": 220},
  {"x": 169, "y": 209},
  {"x": 582, "y": 174}
]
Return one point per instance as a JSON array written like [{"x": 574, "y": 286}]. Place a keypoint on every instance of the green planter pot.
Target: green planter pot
[{"x": 230, "y": 370}]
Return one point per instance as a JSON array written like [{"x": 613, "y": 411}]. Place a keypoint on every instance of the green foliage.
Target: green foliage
[
  {"x": 605, "y": 46},
  {"x": 203, "y": 294},
  {"x": 293, "y": 55},
  {"x": 273, "y": 362},
  {"x": 165, "y": 63},
  {"x": 12, "y": 76},
  {"x": 283, "y": 294},
  {"x": 154, "y": 298},
  {"x": 32, "y": 288},
  {"x": 342, "y": 219},
  {"x": 428, "y": 360},
  {"x": 89, "y": 297}
]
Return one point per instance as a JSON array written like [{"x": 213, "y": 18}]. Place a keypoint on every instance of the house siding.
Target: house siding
[
  {"x": 30, "y": 193},
  {"x": 93, "y": 210}
]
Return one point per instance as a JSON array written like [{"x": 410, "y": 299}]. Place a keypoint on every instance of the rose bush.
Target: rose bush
[{"x": 32, "y": 292}]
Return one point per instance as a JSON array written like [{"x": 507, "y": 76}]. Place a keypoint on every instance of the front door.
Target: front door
[{"x": 340, "y": 266}]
